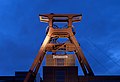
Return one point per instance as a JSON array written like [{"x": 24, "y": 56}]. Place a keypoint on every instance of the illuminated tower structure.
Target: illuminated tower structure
[{"x": 59, "y": 55}]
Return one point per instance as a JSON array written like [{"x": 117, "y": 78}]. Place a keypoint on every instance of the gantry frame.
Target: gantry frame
[{"x": 53, "y": 33}]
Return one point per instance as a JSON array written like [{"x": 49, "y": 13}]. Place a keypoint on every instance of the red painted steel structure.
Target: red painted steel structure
[{"x": 53, "y": 33}]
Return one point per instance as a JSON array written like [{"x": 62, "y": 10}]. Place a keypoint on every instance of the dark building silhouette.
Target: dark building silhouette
[
  {"x": 19, "y": 77},
  {"x": 99, "y": 79},
  {"x": 60, "y": 74},
  {"x": 7, "y": 78}
]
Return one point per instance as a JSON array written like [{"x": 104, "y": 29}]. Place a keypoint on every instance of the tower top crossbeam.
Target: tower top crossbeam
[{"x": 60, "y": 17}]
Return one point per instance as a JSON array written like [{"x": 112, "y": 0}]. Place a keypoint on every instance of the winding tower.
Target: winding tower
[{"x": 51, "y": 44}]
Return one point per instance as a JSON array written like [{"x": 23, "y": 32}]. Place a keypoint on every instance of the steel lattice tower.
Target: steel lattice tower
[{"x": 49, "y": 44}]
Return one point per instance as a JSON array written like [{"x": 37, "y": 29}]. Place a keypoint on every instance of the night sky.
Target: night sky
[{"x": 21, "y": 32}]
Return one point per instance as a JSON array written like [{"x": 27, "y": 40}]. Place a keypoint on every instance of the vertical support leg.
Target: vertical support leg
[
  {"x": 82, "y": 64},
  {"x": 38, "y": 60},
  {"x": 82, "y": 60}
]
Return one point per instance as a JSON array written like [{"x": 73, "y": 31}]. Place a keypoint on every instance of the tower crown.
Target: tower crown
[
  {"x": 66, "y": 20},
  {"x": 60, "y": 17}
]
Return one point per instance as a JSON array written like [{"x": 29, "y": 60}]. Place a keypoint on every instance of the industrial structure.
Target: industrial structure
[{"x": 57, "y": 52}]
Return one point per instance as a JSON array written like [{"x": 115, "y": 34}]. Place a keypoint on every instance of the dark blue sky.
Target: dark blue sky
[{"x": 21, "y": 32}]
